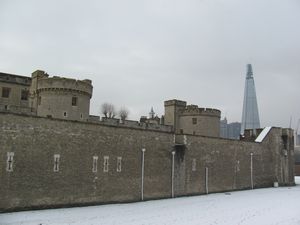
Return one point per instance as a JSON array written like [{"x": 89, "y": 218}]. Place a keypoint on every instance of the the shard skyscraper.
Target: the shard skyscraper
[{"x": 250, "y": 117}]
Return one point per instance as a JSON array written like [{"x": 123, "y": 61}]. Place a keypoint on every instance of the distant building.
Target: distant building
[
  {"x": 297, "y": 160},
  {"x": 250, "y": 117},
  {"x": 14, "y": 94},
  {"x": 234, "y": 130},
  {"x": 153, "y": 119},
  {"x": 230, "y": 130},
  {"x": 298, "y": 139},
  {"x": 224, "y": 128}
]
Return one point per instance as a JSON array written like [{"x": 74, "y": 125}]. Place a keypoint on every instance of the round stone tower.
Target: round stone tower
[
  {"x": 60, "y": 97},
  {"x": 200, "y": 121}
]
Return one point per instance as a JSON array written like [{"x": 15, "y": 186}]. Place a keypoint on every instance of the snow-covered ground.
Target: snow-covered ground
[{"x": 280, "y": 206}]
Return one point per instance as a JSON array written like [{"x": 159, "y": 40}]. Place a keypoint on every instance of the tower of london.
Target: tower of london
[{"x": 53, "y": 153}]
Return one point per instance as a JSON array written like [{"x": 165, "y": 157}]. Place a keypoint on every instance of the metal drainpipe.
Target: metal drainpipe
[
  {"x": 173, "y": 165},
  {"x": 206, "y": 180},
  {"x": 143, "y": 165},
  {"x": 251, "y": 168}
]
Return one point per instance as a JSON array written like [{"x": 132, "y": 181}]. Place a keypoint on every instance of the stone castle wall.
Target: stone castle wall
[
  {"x": 16, "y": 85},
  {"x": 190, "y": 119},
  {"x": 35, "y": 142}
]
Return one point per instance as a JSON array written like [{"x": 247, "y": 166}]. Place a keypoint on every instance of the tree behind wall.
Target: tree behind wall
[
  {"x": 123, "y": 113},
  {"x": 108, "y": 110}
]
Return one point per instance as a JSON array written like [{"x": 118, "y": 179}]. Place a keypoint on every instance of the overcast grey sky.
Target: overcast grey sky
[{"x": 139, "y": 53}]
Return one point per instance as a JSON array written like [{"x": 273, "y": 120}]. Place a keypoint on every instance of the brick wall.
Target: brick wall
[{"x": 34, "y": 184}]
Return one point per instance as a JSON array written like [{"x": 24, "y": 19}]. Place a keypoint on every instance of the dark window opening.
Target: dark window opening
[
  {"x": 181, "y": 131},
  {"x": 285, "y": 141},
  {"x": 24, "y": 94},
  {"x": 65, "y": 114},
  {"x": 39, "y": 100},
  {"x": 74, "y": 101},
  {"x": 10, "y": 163},
  {"x": 194, "y": 120},
  {"x": 180, "y": 152},
  {"x": 5, "y": 92},
  {"x": 56, "y": 163}
]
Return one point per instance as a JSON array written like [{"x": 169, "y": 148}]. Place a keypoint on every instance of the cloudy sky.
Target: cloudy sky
[{"x": 139, "y": 53}]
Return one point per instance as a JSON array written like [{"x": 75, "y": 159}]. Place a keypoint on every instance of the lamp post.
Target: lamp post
[
  {"x": 251, "y": 168},
  {"x": 173, "y": 165},
  {"x": 143, "y": 165},
  {"x": 206, "y": 180}
]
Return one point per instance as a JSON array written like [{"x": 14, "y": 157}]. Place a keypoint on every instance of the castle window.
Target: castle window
[
  {"x": 119, "y": 164},
  {"x": 56, "y": 163},
  {"x": 65, "y": 114},
  {"x": 95, "y": 162},
  {"x": 181, "y": 131},
  {"x": 194, "y": 120},
  {"x": 10, "y": 161},
  {"x": 24, "y": 95},
  {"x": 74, "y": 101},
  {"x": 5, "y": 92},
  {"x": 194, "y": 165},
  {"x": 105, "y": 164},
  {"x": 81, "y": 116},
  {"x": 39, "y": 100}
]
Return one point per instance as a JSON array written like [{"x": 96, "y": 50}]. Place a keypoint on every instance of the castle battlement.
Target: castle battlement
[
  {"x": 175, "y": 102},
  {"x": 65, "y": 84},
  {"x": 15, "y": 79},
  {"x": 194, "y": 110},
  {"x": 131, "y": 124}
]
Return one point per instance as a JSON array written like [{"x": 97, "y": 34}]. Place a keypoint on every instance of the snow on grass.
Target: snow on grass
[{"x": 280, "y": 206}]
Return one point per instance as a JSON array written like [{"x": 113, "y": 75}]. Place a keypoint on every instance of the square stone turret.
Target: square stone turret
[
  {"x": 190, "y": 119},
  {"x": 172, "y": 112}
]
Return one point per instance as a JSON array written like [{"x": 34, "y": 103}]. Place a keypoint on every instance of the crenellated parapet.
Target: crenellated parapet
[
  {"x": 131, "y": 124},
  {"x": 15, "y": 79},
  {"x": 194, "y": 110},
  {"x": 59, "y": 84},
  {"x": 175, "y": 102}
]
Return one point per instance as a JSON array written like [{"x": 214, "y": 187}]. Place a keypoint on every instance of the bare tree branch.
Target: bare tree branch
[
  {"x": 123, "y": 113},
  {"x": 108, "y": 110},
  {"x": 111, "y": 111}
]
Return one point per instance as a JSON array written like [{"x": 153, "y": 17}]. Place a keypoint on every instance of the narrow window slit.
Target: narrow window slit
[
  {"x": 95, "y": 162},
  {"x": 105, "y": 164},
  {"x": 119, "y": 164},
  {"x": 56, "y": 162},
  {"x": 10, "y": 161}
]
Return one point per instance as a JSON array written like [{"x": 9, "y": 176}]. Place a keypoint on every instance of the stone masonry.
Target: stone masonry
[{"x": 101, "y": 164}]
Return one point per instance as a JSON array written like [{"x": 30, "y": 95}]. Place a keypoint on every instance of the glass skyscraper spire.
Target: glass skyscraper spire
[{"x": 250, "y": 117}]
